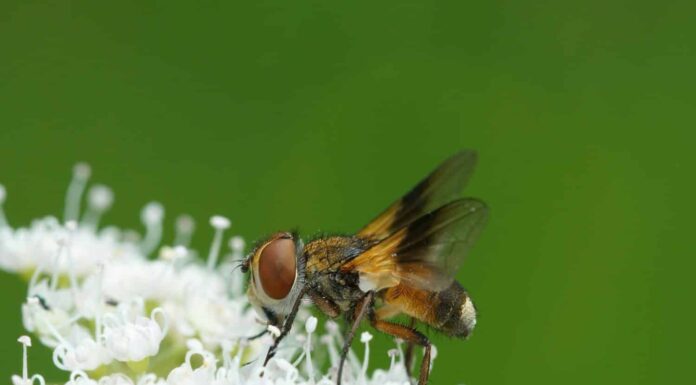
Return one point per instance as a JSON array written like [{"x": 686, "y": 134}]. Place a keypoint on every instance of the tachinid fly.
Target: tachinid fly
[{"x": 403, "y": 262}]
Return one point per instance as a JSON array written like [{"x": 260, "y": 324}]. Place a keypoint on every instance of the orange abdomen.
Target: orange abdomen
[{"x": 450, "y": 311}]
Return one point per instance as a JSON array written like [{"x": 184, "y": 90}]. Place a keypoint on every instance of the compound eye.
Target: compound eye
[{"x": 277, "y": 268}]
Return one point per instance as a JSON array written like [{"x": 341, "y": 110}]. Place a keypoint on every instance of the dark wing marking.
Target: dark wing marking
[
  {"x": 428, "y": 252},
  {"x": 441, "y": 186}
]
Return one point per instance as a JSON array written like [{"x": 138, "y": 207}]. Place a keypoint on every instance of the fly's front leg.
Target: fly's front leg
[
  {"x": 361, "y": 309},
  {"x": 258, "y": 335},
  {"x": 287, "y": 325}
]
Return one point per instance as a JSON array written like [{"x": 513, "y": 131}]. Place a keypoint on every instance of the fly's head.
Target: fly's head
[{"x": 275, "y": 276}]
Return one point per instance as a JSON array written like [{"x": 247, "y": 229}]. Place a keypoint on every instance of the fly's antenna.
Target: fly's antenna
[{"x": 238, "y": 263}]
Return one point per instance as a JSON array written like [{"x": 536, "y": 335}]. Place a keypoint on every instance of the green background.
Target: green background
[{"x": 317, "y": 114}]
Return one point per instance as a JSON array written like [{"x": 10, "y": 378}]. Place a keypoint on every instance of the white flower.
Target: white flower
[
  {"x": 79, "y": 377},
  {"x": 129, "y": 336},
  {"x": 100, "y": 200},
  {"x": 115, "y": 379},
  {"x": 212, "y": 316},
  {"x": 50, "y": 323},
  {"x": 27, "y": 249},
  {"x": 151, "y": 216},
  {"x": 185, "y": 225},
  {"x": 104, "y": 307},
  {"x": 187, "y": 375},
  {"x": 24, "y": 379},
  {"x": 80, "y": 352}
]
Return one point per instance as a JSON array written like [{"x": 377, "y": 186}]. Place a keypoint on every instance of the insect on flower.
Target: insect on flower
[{"x": 403, "y": 262}]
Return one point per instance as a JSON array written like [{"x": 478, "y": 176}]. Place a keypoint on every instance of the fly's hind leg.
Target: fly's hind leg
[
  {"x": 411, "y": 336},
  {"x": 408, "y": 358}
]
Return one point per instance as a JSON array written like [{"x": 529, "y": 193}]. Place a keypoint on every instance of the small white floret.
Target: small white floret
[
  {"x": 219, "y": 222},
  {"x": 237, "y": 243},
  {"x": 82, "y": 171},
  {"x": 331, "y": 327},
  {"x": 180, "y": 251},
  {"x": 24, "y": 340},
  {"x": 101, "y": 197},
  {"x": 152, "y": 213},
  {"x": 185, "y": 223},
  {"x": 311, "y": 324}
]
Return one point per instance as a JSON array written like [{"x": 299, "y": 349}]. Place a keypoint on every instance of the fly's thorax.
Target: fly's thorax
[
  {"x": 325, "y": 256},
  {"x": 340, "y": 287}
]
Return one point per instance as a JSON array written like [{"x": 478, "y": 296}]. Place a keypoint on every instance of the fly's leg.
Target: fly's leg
[
  {"x": 408, "y": 358},
  {"x": 259, "y": 335},
  {"x": 287, "y": 325},
  {"x": 409, "y": 335},
  {"x": 326, "y": 305},
  {"x": 359, "y": 312}
]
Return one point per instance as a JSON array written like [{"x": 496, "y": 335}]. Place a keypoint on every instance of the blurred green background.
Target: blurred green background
[{"x": 317, "y": 114}]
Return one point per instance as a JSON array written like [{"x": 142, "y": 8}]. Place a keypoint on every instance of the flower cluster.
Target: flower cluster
[{"x": 116, "y": 307}]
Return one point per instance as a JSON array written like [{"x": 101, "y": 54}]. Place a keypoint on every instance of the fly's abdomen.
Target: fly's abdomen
[{"x": 450, "y": 311}]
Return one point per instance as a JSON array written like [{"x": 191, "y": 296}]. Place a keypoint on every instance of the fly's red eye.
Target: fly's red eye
[{"x": 277, "y": 268}]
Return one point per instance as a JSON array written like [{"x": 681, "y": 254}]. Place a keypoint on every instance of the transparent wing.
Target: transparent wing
[{"x": 443, "y": 185}]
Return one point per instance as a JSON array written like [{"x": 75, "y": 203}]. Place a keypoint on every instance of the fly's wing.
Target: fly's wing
[
  {"x": 426, "y": 253},
  {"x": 443, "y": 185}
]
